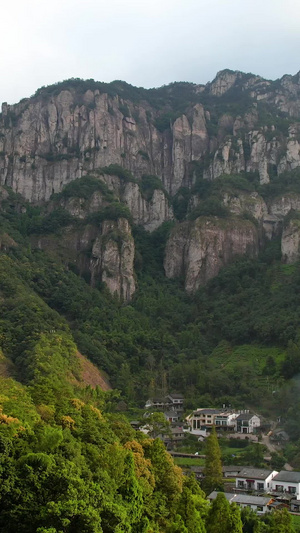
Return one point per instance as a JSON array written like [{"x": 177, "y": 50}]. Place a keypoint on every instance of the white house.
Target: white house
[
  {"x": 257, "y": 479},
  {"x": 258, "y": 504},
  {"x": 204, "y": 418},
  {"x": 287, "y": 482},
  {"x": 172, "y": 402},
  {"x": 247, "y": 423},
  {"x": 226, "y": 420},
  {"x": 175, "y": 401}
]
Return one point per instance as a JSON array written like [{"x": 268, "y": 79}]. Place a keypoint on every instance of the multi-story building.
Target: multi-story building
[
  {"x": 257, "y": 479},
  {"x": 203, "y": 419},
  {"x": 288, "y": 482}
]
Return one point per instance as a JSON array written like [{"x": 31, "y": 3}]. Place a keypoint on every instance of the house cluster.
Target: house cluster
[
  {"x": 202, "y": 420},
  {"x": 171, "y": 405},
  {"x": 264, "y": 490}
]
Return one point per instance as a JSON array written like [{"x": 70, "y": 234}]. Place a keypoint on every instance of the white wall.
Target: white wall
[{"x": 286, "y": 485}]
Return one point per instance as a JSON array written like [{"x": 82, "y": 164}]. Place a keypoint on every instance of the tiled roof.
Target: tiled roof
[
  {"x": 245, "y": 416},
  {"x": 242, "y": 498},
  {"x": 292, "y": 477},
  {"x": 254, "y": 473},
  {"x": 208, "y": 411}
]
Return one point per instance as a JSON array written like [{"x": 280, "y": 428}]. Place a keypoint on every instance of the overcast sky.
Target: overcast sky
[{"x": 144, "y": 43}]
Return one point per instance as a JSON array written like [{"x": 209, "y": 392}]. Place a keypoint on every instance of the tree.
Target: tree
[
  {"x": 277, "y": 522},
  {"x": 157, "y": 425},
  {"x": 218, "y": 518},
  {"x": 236, "y": 525},
  {"x": 213, "y": 477},
  {"x": 188, "y": 511}
]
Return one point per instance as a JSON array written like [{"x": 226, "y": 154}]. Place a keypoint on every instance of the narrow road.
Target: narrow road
[
  {"x": 266, "y": 441},
  {"x": 273, "y": 448}
]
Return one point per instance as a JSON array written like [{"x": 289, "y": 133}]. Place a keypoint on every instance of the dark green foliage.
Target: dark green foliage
[
  {"x": 287, "y": 182},
  {"x": 210, "y": 207},
  {"x": 213, "y": 466},
  {"x": 52, "y": 223},
  {"x": 114, "y": 211},
  {"x": 219, "y": 516},
  {"x": 180, "y": 203},
  {"x": 84, "y": 188},
  {"x": 124, "y": 110},
  {"x": 149, "y": 184},
  {"x": 164, "y": 121},
  {"x": 116, "y": 170},
  {"x": 144, "y": 155}
]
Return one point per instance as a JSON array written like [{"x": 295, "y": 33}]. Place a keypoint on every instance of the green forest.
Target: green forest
[{"x": 69, "y": 459}]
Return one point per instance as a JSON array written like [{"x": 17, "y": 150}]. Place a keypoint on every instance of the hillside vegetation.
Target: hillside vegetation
[{"x": 73, "y": 352}]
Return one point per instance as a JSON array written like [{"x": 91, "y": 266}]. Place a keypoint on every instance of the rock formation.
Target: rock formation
[
  {"x": 238, "y": 124},
  {"x": 198, "y": 250}
]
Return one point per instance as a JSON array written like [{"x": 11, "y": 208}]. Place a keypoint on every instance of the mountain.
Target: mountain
[
  {"x": 229, "y": 149},
  {"x": 149, "y": 243}
]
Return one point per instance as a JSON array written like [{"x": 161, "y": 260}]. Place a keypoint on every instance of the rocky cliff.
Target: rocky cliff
[
  {"x": 237, "y": 123},
  {"x": 152, "y": 151},
  {"x": 197, "y": 251},
  {"x": 103, "y": 253}
]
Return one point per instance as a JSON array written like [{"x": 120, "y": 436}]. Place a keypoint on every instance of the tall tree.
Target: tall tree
[
  {"x": 236, "y": 525},
  {"x": 213, "y": 477},
  {"x": 218, "y": 518}
]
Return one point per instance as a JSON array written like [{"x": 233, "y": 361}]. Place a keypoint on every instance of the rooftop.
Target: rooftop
[
  {"x": 245, "y": 416},
  {"x": 242, "y": 498},
  {"x": 232, "y": 468},
  {"x": 254, "y": 473},
  {"x": 292, "y": 477},
  {"x": 208, "y": 411},
  {"x": 171, "y": 414}
]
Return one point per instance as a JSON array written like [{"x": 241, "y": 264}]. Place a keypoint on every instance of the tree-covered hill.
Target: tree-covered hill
[{"x": 157, "y": 251}]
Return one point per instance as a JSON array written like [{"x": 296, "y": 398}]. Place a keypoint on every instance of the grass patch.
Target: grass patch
[
  {"x": 189, "y": 461},
  {"x": 296, "y": 521}
]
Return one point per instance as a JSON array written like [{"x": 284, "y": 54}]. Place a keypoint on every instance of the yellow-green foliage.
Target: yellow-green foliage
[{"x": 16, "y": 401}]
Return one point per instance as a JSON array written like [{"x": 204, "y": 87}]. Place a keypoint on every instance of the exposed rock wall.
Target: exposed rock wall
[
  {"x": 290, "y": 242},
  {"x": 112, "y": 258},
  {"x": 198, "y": 250},
  {"x": 51, "y": 139},
  {"x": 105, "y": 253},
  {"x": 148, "y": 213}
]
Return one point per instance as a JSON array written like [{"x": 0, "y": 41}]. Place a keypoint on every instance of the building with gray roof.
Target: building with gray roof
[{"x": 259, "y": 504}]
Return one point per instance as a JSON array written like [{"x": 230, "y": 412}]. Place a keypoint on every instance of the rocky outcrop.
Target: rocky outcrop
[
  {"x": 57, "y": 136},
  {"x": 250, "y": 203},
  {"x": 112, "y": 258},
  {"x": 290, "y": 242},
  {"x": 180, "y": 135},
  {"x": 282, "y": 205},
  {"x": 198, "y": 250},
  {"x": 47, "y": 142},
  {"x": 149, "y": 213},
  {"x": 101, "y": 254},
  {"x": 190, "y": 141}
]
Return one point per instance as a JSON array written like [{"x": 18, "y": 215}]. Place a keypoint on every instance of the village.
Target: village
[{"x": 260, "y": 489}]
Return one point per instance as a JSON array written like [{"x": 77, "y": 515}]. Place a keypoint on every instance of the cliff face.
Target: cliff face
[
  {"x": 172, "y": 138},
  {"x": 103, "y": 253},
  {"x": 198, "y": 250},
  {"x": 54, "y": 137},
  {"x": 290, "y": 242}
]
